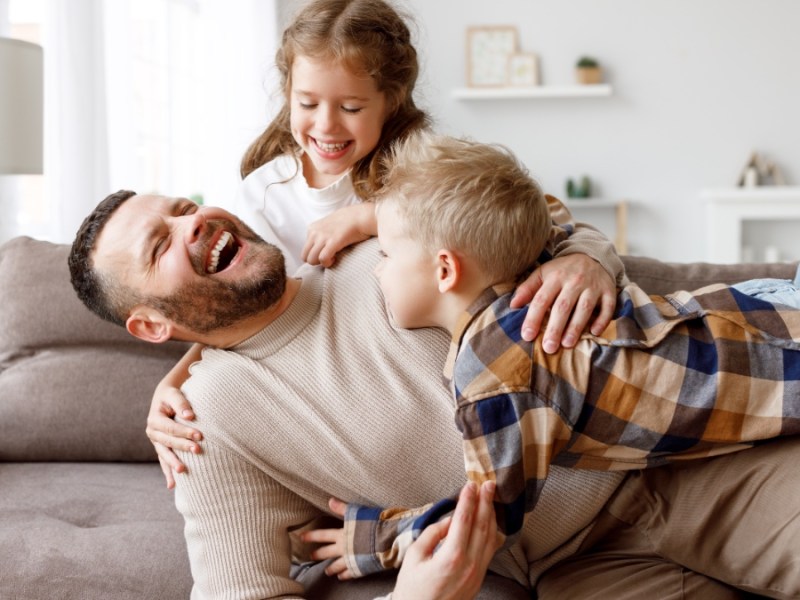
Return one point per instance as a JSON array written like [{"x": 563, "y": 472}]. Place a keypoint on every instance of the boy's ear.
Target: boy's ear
[
  {"x": 448, "y": 270},
  {"x": 148, "y": 324}
]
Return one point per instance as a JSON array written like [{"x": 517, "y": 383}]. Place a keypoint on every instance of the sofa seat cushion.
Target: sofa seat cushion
[{"x": 90, "y": 531}]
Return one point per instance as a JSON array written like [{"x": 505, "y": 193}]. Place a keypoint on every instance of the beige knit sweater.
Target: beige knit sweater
[{"x": 330, "y": 400}]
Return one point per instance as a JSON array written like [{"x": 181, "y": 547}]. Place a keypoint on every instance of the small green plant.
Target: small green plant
[
  {"x": 587, "y": 62},
  {"x": 581, "y": 189}
]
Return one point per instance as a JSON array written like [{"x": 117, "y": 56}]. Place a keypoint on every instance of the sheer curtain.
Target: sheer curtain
[{"x": 152, "y": 95}]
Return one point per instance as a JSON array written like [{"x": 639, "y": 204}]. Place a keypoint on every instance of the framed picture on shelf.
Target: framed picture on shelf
[
  {"x": 523, "y": 69},
  {"x": 488, "y": 52}
]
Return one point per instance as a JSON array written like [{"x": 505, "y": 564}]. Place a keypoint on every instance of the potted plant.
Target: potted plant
[{"x": 587, "y": 70}]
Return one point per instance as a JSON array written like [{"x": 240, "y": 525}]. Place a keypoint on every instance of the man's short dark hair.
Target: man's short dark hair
[{"x": 88, "y": 283}]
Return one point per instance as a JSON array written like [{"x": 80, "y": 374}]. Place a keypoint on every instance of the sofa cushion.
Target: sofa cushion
[
  {"x": 72, "y": 386},
  {"x": 90, "y": 532}
]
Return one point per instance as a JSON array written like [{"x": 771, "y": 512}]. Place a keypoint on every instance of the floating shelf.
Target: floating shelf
[
  {"x": 534, "y": 91},
  {"x": 592, "y": 202},
  {"x": 620, "y": 208}
]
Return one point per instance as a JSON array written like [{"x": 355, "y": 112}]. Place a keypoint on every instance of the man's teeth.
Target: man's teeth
[
  {"x": 331, "y": 147},
  {"x": 223, "y": 240}
]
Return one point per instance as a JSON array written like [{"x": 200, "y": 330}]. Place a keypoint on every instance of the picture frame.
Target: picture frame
[
  {"x": 488, "y": 52},
  {"x": 523, "y": 69}
]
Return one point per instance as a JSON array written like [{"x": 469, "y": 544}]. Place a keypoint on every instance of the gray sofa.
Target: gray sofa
[{"x": 84, "y": 510}]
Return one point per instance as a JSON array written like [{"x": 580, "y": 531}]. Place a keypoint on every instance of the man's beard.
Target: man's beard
[{"x": 211, "y": 304}]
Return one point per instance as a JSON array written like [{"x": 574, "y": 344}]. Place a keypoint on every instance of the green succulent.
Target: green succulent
[{"x": 587, "y": 62}]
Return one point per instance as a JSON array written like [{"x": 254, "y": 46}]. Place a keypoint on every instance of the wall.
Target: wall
[{"x": 697, "y": 87}]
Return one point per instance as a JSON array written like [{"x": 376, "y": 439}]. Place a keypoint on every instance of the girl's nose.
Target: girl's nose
[{"x": 326, "y": 119}]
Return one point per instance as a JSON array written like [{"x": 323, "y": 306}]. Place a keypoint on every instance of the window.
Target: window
[{"x": 158, "y": 96}]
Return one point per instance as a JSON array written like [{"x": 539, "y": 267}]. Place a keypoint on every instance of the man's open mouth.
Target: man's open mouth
[{"x": 223, "y": 253}]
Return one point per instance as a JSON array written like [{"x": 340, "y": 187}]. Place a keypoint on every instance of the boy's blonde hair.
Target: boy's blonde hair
[
  {"x": 472, "y": 198},
  {"x": 365, "y": 36}
]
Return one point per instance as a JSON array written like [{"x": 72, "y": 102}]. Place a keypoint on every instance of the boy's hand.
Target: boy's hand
[
  {"x": 571, "y": 288},
  {"x": 333, "y": 540},
  {"x": 344, "y": 227}
]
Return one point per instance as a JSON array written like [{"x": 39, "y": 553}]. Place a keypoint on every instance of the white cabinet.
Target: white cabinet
[{"x": 731, "y": 211}]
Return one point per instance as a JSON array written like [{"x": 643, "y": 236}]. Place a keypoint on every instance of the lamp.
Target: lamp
[{"x": 21, "y": 107}]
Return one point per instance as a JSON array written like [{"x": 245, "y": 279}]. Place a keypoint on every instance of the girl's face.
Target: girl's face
[{"x": 336, "y": 118}]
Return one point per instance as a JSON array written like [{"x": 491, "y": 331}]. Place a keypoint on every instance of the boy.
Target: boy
[{"x": 686, "y": 376}]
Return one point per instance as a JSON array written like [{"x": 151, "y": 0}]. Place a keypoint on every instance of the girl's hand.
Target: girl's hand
[
  {"x": 456, "y": 569},
  {"x": 334, "y": 544},
  {"x": 166, "y": 434},
  {"x": 571, "y": 288},
  {"x": 345, "y": 227}
]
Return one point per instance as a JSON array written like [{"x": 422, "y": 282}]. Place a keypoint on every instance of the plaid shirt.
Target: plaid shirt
[{"x": 685, "y": 376}]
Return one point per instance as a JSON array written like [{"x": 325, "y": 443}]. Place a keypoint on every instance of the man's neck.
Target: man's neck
[{"x": 247, "y": 328}]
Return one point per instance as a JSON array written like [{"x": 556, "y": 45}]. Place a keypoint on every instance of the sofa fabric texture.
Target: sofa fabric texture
[{"x": 84, "y": 510}]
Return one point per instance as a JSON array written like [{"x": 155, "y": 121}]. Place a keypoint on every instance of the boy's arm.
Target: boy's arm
[
  {"x": 342, "y": 228},
  {"x": 375, "y": 539}
]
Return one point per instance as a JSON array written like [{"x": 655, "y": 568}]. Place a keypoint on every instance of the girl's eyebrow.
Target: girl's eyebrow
[{"x": 350, "y": 97}]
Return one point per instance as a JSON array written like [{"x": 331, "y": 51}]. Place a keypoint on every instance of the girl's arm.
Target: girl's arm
[
  {"x": 162, "y": 429},
  {"x": 345, "y": 227},
  {"x": 577, "y": 286}
]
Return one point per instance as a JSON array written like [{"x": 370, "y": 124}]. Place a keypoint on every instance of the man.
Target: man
[{"x": 318, "y": 396}]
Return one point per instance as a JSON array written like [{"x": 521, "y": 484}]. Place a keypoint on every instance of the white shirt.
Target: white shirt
[{"x": 277, "y": 203}]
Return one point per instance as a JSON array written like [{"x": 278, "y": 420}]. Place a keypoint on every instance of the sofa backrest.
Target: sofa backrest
[
  {"x": 72, "y": 386},
  {"x": 657, "y": 277}
]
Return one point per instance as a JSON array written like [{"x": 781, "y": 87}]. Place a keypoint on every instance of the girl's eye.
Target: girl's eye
[
  {"x": 351, "y": 111},
  {"x": 307, "y": 106}
]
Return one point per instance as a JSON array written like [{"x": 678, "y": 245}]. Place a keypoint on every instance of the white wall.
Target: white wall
[{"x": 698, "y": 85}]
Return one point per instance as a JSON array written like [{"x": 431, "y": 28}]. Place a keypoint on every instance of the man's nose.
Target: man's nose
[{"x": 193, "y": 226}]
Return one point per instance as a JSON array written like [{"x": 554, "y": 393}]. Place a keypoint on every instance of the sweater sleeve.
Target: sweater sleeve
[
  {"x": 237, "y": 524},
  {"x": 570, "y": 237}
]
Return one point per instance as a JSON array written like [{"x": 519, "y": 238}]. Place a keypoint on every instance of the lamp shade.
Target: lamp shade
[{"x": 21, "y": 107}]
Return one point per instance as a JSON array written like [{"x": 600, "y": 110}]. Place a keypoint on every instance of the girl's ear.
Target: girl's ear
[
  {"x": 149, "y": 325},
  {"x": 448, "y": 270}
]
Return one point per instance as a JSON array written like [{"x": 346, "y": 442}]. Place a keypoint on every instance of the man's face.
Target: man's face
[{"x": 201, "y": 267}]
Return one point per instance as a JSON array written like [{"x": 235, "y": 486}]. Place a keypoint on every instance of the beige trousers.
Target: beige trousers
[{"x": 721, "y": 528}]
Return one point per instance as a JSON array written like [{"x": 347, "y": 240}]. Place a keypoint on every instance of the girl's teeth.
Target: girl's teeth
[{"x": 331, "y": 147}]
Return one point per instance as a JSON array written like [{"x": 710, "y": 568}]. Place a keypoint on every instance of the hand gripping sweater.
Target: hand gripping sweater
[{"x": 330, "y": 400}]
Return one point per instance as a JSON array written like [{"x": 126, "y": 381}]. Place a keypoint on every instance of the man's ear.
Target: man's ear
[
  {"x": 148, "y": 324},
  {"x": 448, "y": 270}
]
